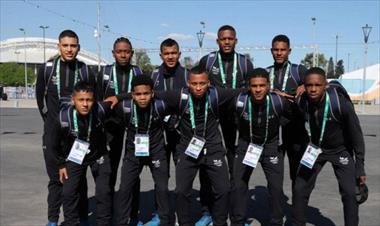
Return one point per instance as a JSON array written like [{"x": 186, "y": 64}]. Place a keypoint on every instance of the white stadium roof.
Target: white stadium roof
[{"x": 12, "y": 50}]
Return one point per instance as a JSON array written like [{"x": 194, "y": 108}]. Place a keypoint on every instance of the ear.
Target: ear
[
  {"x": 162, "y": 58},
  {"x": 290, "y": 51},
  {"x": 72, "y": 100},
  {"x": 236, "y": 41},
  {"x": 152, "y": 93},
  {"x": 78, "y": 47},
  {"x": 132, "y": 53},
  {"x": 179, "y": 55}
]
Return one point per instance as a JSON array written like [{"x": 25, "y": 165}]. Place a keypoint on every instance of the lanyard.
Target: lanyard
[
  {"x": 57, "y": 72},
  {"x": 192, "y": 117},
  {"x": 76, "y": 128},
  {"x": 136, "y": 119},
  {"x": 326, "y": 110},
  {"x": 234, "y": 71},
  {"x": 114, "y": 76},
  {"x": 250, "y": 120},
  {"x": 287, "y": 72}
]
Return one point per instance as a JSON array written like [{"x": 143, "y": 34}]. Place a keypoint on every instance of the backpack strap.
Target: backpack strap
[
  {"x": 107, "y": 73},
  {"x": 184, "y": 102},
  {"x": 241, "y": 103},
  {"x": 276, "y": 104},
  {"x": 127, "y": 110},
  {"x": 335, "y": 108},
  {"x": 65, "y": 118},
  {"x": 213, "y": 100},
  {"x": 159, "y": 107},
  {"x": 242, "y": 61},
  {"x": 136, "y": 70},
  {"x": 83, "y": 71},
  {"x": 211, "y": 59},
  {"x": 294, "y": 74},
  {"x": 155, "y": 75}
]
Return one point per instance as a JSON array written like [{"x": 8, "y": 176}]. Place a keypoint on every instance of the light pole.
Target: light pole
[
  {"x": 26, "y": 73},
  {"x": 314, "y": 40},
  {"x": 201, "y": 35},
  {"x": 43, "y": 35},
  {"x": 366, "y": 30}
]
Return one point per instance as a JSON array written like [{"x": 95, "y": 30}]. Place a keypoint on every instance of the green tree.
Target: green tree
[
  {"x": 308, "y": 60},
  {"x": 13, "y": 74},
  {"x": 330, "y": 68},
  {"x": 339, "y": 69},
  {"x": 143, "y": 61}
]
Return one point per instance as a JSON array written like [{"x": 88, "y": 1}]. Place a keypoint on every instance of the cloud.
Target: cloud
[
  {"x": 177, "y": 37},
  {"x": 164, "y": 25},
  {"x": 211, "y": 36}
]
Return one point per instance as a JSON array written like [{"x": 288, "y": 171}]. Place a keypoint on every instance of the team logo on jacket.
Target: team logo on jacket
[
  {"x": 54, "y": 80},
  {"x": 217, "y": 162},
  {"x": 215, "y": 70},
  {"x": 156, "y": 163},
  {"x": 100, "y": 161},
  {"x": 343, "y": 160},
  {"x": 111, "y": 85},
  {"x": 273, "y": 160},
  {"x": 106, "y": 77}
]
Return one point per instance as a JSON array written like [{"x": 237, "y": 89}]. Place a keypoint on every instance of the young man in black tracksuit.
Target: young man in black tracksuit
[
  {"x": 286, "y": 79},
  {"x": 335, "y": 136},
  {"x": 55, "y": 81},
  {"x": 170, "y": 75},
  {"x": 200, "y": 145},
  {"x": 226, "y": 69},
  {"x": 82, "y": 144},
  {"x": 260, "y": 115},
  {"x": 114, "y": 80},
  {"x": 143, "y": 117}
]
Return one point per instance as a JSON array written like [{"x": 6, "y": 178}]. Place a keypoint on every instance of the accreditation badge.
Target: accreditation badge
[
  {"x": 78, "y": 151},
  {"x": 310, "y": 156},
  {"x": 195, "y": 147},
  {"x": 141, "y": 145},
  {"x": 252, "y": 155}
]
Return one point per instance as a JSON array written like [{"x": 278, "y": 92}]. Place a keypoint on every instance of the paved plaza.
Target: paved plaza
[{"x": 23, "y": 179}]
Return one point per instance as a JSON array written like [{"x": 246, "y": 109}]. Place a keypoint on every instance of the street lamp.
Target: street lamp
[
  {"x": 366, "y": 31},
  {"x": 25, "y": 66},
  {"x": 43, "y": 35},
  {"x": 315, "y": 45},
  {"x": 201, "y": 36}
]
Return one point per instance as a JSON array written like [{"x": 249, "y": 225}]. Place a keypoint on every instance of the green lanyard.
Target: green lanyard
[
  {"x": 136, "y": 119},
  {"x": 76, "y": 129},
  {"x": 307, "y": 125},
  {"x": 114, "y": 76},
  {"x": 57, "y": 72},
  {"x": 192, "y": 117},
  {"x": 271, "y": 76},
  {"x": 234, "y": 71},
  {"x": 250, "y": 120}
]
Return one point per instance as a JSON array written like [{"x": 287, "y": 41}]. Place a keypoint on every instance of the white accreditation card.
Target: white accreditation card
[
  {"x": 78, "y": 151},
  {"x": 252, "y": 156},
  {"x": 310, "y": 156},
  {"x": 195, "y": 147},
  {"x": 167, "y": 118},
  {"x": 141, "y": 145}
]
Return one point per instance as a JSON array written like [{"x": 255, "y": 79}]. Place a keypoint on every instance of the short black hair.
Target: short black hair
[
  {"x": 84, "y": 87},
  {"x": 68, "y": 33},
  {"x": 315, "y": 70},
  {"x": 122, "y": 39},
  {"x": 168, "y": 43},
  {"x": 281, "y": 38},
  {"x": 196, "y": 70},
  {"x": 143, "y": 79},
  {"x": 258, "y": 73},
  {"x": 226, "y": 28}
]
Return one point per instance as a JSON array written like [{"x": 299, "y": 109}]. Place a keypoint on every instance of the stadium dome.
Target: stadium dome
[{"x": 12, "y": 50}]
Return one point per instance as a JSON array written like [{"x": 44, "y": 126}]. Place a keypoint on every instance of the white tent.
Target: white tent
[{"x": 353, "y": 82}]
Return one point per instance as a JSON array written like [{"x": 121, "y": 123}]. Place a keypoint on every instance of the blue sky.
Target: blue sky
[{"x": 256, "y": 22}]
